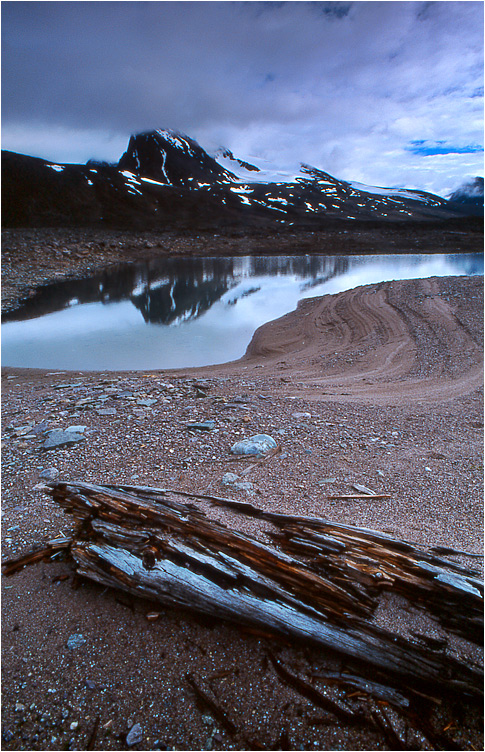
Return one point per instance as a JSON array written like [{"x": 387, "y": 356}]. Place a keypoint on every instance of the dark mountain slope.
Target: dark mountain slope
[{"x": 166, "y": 181}]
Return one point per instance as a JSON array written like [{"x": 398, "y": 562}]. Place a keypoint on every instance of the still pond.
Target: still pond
[{"x": 177, "y": 313}]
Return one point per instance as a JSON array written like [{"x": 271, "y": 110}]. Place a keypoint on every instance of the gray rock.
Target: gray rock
[
  {"x": 75, "y": 641},
  {"x": 58, "y": 438},
  {"x": 49, "y": 473},
  {"x": 207, "y": 425},
  {"x": 228, "y": 479},
  {"x": 298, "y": 416},
  {"x": 106, "y": 411},
  {"x": 362, "y": 489},
  {"x": 135, "y": 735},
  {"x": 256, "y": 445},
  {"x": 76, "y": 429},
  {"x": 146, "y": 402},
  {"x": 41, "y": 427},
  {"x": 244, "y": 485}
]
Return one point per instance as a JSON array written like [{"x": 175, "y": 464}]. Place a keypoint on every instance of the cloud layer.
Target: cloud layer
[{"x": 354, "y": 88}]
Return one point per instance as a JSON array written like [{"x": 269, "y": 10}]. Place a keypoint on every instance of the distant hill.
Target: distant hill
[{"x": 469, "y": 197}]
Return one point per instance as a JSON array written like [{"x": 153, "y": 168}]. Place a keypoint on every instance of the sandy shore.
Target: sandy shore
[{"x": 380, "y": 386}]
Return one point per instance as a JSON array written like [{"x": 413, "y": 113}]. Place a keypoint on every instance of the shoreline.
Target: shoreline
[
  {"x": 380, "y": 386},
  {"x": 31, "y": 257}
]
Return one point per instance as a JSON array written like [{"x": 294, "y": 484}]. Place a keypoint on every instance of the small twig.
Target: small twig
[
  {"x": 92, "y": 736},
  {"x": 267, "y": 458},
  {"x": 209, "y": 701},
  {"x": 368, "y": 497}
]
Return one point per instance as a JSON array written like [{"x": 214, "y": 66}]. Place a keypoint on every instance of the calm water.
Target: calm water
[{"x": 188, "y": 312}]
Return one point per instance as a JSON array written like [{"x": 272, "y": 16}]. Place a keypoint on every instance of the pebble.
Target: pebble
[
  {"x": 228, "y": 479},
  {"x": 58, "y": 438},
  {"x": 49, "y": 473},
  {"x": 255, "y": 445},
  {"x": 244, "y": 485},
  {"x": 135, "y": 735},
  {"x": 75, "y": 641},
  {"x": 207, "y": 425},
  {"x": 362, "y": 489},
  {"x": 106, "y": 411},
  {"x": 146, "y": 402}
]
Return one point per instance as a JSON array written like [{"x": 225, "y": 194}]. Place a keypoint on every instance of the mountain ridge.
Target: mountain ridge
[{"x": 165, "y": 179}]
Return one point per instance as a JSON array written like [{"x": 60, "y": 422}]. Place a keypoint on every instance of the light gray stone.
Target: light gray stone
[
  {"x": 228, "y": 479},
  {"x": 256, "y": 445},
  {"x": 135, "y": 735},
  {"x": 49, "y": 473},
  {"x": 75, "y": 641}
]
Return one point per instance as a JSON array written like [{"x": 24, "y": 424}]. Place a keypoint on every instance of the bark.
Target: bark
[{"x": 315, "y": 580}]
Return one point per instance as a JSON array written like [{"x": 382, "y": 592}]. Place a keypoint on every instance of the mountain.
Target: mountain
[
  {"x": 469, "y": 197},
  {"x": 165, "y": 180}
]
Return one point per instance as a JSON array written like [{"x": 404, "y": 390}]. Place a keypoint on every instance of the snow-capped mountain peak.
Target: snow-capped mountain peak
[{"x": 166, "y": 177}]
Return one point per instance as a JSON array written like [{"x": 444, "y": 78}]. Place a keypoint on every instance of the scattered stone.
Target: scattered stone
[
  {"x": 49, "y": 473},
  {"x": 19, "y": 706},
  {"x": 22, "y": 430},
  {"x": 75, "y": 641},
  {"x": 90, "y": 684},
  {"x": 41, "y": 427},
  {"x": 363, "y": 489},
  {"x": 152, "y": 615},
  {"x": 58, "y": 438},
  {"x": 76, "y": 429},
  {"x": 228, "y": 479},
  {"x": 207, "y": 425},
  {"x": 7, "y": 735},
  {"x": 146, "y": 402},
  {"x": 326, "y": 480},
  {"x": 135, "y": 735},
  {"x": 244, "y": 485},
  {"x": 256, "y": 445},
  {"x": 106, "y": 411},
  {"x": 74, "y": 725},
  {"x": 298, "y": 416},
  {"x": 83, "y": 402}
]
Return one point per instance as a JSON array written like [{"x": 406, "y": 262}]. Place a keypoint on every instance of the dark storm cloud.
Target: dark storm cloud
[{"x": 342, "y": 85}]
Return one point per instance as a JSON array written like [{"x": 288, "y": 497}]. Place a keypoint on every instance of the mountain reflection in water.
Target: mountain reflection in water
[
  {"x": 215, "y": 304},
  {"x": 173, "y": 290}
]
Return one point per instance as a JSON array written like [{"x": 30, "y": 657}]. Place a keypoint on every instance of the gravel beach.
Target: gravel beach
[{"x": 380, "y": 386}]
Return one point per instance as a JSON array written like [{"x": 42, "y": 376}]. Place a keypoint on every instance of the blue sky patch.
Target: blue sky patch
[{"x": 430, "y": 148}]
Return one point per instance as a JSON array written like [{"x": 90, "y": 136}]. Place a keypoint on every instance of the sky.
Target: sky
[{"x": 383, "y": 93}]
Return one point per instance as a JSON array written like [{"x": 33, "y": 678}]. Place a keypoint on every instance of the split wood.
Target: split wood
[{"x": 316, "y": 581}]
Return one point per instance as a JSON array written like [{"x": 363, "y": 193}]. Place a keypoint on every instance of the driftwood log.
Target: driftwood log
[{"x": 307, "y": 579}]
